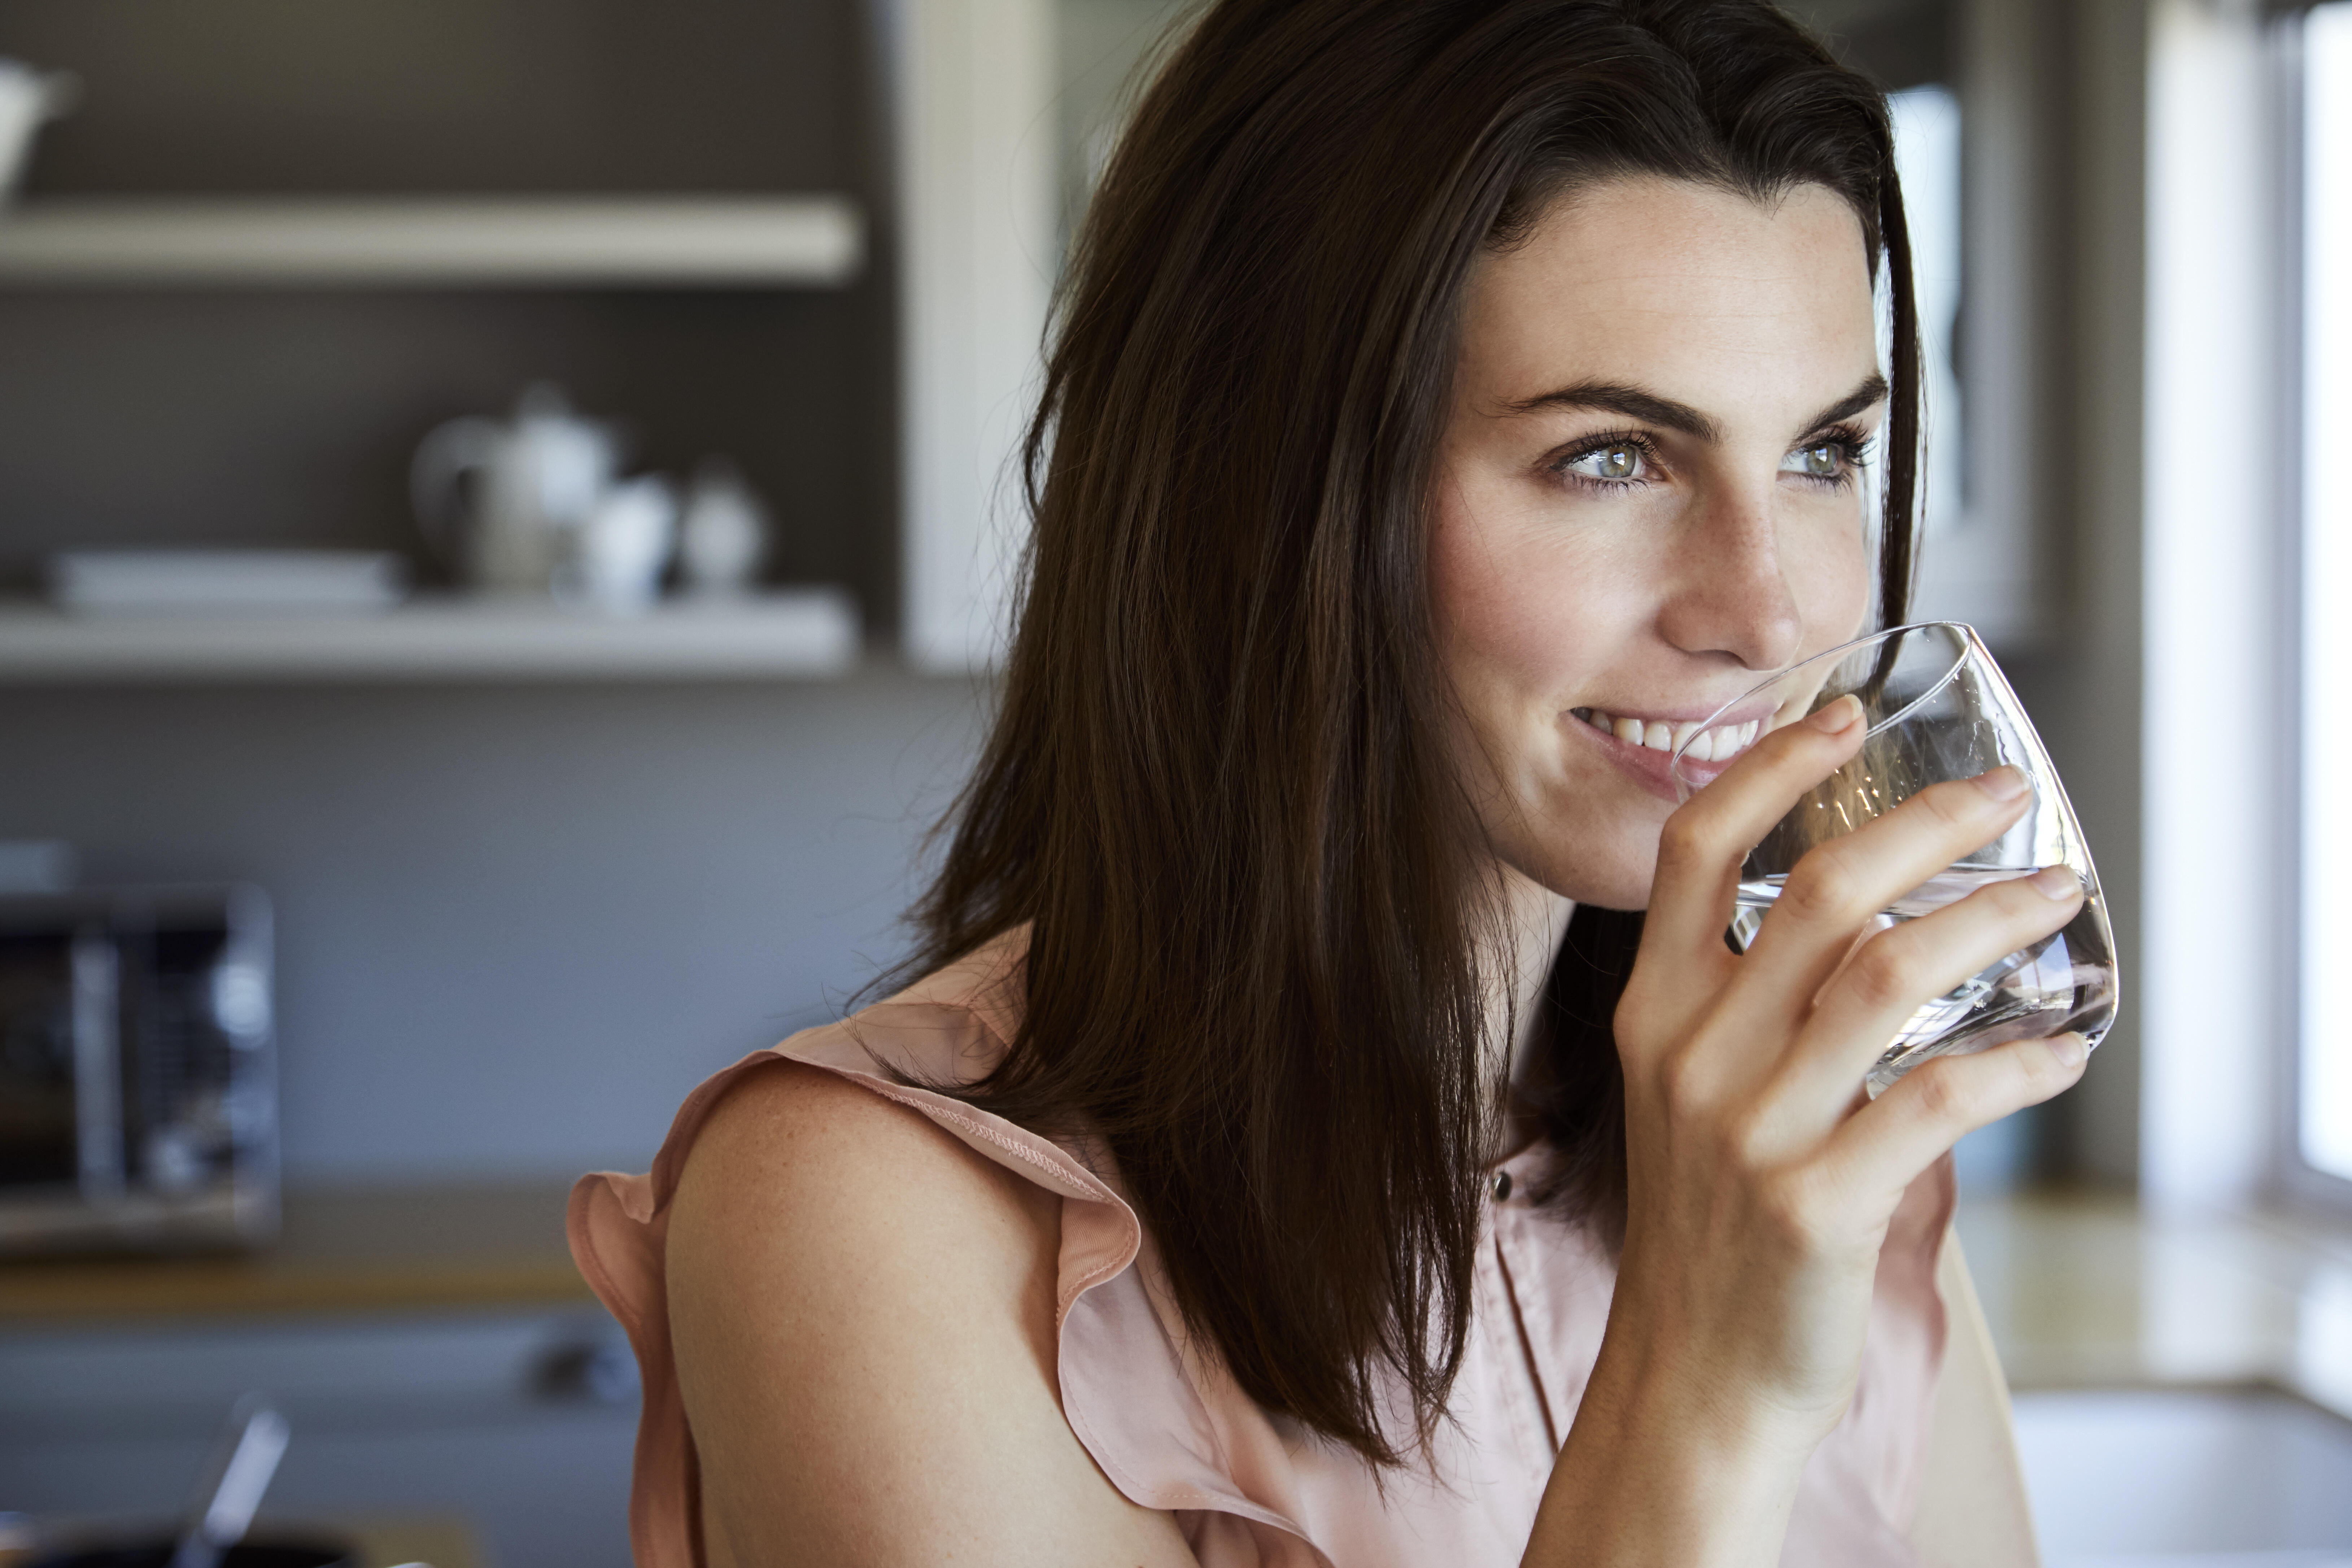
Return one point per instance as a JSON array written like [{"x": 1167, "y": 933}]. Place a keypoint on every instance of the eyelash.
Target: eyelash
[
  {"x": 1635, "y": 440},
  {"x": 1853, "y": 443}
]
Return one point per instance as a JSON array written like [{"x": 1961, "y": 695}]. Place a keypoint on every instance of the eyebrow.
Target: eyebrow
[
  {"x": 1617, "y": 397},
  {"x": 1869, "y": 390}
]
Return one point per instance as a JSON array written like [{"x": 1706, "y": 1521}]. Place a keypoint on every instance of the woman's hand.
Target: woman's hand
[{"x": 1759, "y": 1183}]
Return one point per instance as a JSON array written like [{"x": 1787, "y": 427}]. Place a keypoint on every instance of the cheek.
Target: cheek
[
  {"x": 1508, "y": 641},
  {"x": 1520, "y": 608},
  {"x": 1827, "y": 565},
  {"x": 1498, "y": 626},
  {"x": 1529, "y": 613}
]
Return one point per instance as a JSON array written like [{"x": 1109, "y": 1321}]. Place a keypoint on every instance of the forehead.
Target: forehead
[{"x": 1693, "y": 292}]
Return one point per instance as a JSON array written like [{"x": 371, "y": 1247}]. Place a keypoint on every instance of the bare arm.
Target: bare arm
[
  {"x": 1972, "y": 1501},
  {"x": 863, "y": 1313}
]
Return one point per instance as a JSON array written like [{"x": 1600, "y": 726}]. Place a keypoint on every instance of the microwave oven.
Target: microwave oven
[{"x": 138, "y": 1073}]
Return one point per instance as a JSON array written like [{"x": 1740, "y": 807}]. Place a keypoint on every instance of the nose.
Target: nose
[{"x": 1730, "y": 596}]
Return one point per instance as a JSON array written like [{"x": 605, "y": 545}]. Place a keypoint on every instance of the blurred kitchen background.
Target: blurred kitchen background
[{"x": 503, "y": 530}]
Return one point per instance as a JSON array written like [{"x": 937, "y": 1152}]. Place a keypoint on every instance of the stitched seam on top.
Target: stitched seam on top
[
  {"x": 973, "y": 1124},
  {"x": 1527, "y": 1344},
  {"x": 1087, "y": 1282}
]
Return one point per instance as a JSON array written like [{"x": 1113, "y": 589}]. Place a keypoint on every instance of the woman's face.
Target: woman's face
[{"x": 1648, "y": 496}]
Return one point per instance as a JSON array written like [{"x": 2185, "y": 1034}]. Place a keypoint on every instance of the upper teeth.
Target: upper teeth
[{"x": 1717, "y": 745}]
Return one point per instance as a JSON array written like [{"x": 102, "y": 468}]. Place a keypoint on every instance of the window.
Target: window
[
  {"x": 2325, "y": 1110},
  {"x": 1928, "y": 160}
]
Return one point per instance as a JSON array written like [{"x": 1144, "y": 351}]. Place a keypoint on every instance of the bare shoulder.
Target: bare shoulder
[
  {"x": 862, "y": 1310},
  {"x": 799, "y": 1148}
]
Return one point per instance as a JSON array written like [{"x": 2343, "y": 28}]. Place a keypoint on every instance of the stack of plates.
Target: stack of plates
[{"x": 186, "y": 582}]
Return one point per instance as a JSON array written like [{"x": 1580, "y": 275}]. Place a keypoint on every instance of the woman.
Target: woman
[{"x": 1452, "y": 401}]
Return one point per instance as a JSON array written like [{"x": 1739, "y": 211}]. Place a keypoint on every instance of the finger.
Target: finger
[
  {"x": 1705, "y": 843},
  {"x": 1902, "y": 1132},
  {"x": 1842, "y": 884},
  {"x": 1894, "y": 973}
]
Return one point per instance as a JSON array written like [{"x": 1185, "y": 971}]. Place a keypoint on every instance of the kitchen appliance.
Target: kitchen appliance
[{"x": 138, "y": 1072}]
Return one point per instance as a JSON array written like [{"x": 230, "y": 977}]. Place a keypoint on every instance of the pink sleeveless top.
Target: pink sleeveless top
[{"x": 1171, "y": 1431}]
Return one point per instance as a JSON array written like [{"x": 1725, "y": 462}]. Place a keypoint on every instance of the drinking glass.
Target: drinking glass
[{"x": 1937, "y": 708}]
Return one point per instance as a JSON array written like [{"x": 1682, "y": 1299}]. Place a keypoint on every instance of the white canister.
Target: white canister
[{"x": 723, "y": 536}]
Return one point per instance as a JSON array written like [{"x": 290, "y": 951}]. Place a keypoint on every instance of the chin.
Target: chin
[
  {"x": 1611, "y": 871},
  {"x": 1628, "y": 891}
]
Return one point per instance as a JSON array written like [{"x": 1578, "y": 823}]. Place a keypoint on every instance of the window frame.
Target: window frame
[{"x": 2297, "y": 1178}]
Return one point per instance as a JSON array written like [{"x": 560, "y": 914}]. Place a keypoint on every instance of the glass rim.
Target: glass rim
[{"x": 1970, "y": 642}]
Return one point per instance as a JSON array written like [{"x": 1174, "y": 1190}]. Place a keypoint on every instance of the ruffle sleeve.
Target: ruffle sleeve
[{"x": 1125, "y": 1386}]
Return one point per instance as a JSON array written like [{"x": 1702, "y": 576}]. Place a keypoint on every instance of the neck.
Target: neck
[{"x": 1535, "y": 924}]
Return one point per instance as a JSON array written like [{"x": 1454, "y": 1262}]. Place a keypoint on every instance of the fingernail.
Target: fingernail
[
  {"x": 2057, "y": 882},
  {"x": 2003, "y": 784},
  {"x": 2069, "y": 1049},
  {"x": 1836, "y": 716}
]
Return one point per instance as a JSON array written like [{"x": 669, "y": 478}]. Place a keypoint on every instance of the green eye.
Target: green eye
[
  {"x": 1824, "y": 461},
  {"x": 1622, "y": 461}
]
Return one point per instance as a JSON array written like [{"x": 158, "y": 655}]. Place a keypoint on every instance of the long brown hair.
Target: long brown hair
[{"x": 1217, "y": 789}]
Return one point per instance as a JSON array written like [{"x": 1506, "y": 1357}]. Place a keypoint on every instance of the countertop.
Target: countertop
[
  {"x": 2090, "y": 1291},
  {"x": 353, "y": 1250},
  {"x": 380, "y": 1543},
  {"x": 2082, "y": 1289}
]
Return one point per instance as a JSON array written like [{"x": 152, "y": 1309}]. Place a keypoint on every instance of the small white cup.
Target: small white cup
[
  {"x": 617, "y": 558},
  {"x": 724, "y": 533}
]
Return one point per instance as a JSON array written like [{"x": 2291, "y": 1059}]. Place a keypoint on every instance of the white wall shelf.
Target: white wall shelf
[
  {"x": 803, "y": 634},
  {"x": 721, "y": 241}
]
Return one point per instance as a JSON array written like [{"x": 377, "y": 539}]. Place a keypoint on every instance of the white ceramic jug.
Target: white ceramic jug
[{"x": 503, "y": 500}]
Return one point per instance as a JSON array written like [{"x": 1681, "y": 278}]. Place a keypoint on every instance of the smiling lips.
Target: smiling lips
[{"x": 1717, "y": 745}]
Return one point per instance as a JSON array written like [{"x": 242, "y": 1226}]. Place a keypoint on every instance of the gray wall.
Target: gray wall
[{"x": 516, "y": 925}]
